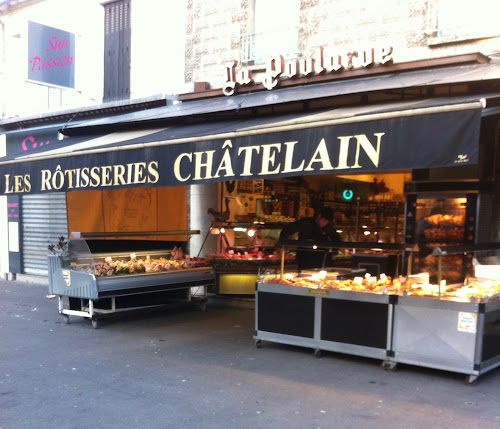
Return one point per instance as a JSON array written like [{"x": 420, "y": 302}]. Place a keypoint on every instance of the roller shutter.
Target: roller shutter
[{"x": 44, "y": 221}]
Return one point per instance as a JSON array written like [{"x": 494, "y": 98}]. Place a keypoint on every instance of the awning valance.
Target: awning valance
[{"x": 364, "y": 139}]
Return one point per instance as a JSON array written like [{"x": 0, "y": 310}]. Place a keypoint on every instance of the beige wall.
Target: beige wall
[
  {"x": 157, "y": 53},
  {"x": 83, "y": 18},
  {"x": 177, "y": 43},
  {"x": 214, "y": 33}
]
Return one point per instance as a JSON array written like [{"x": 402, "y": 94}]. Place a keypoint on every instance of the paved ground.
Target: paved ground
[{"x": 185, "y": 368}]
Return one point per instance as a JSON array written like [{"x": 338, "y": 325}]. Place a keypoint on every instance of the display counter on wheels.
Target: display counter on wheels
[
  {"x": 462, "y": 337},
  {"x": 340, "y": 321},
  {"x": 102, "y": 285},
  {"x": 398, "y": 320},
  {"x": 336, "y": 310},
  {"x": 451, "y": 327}
]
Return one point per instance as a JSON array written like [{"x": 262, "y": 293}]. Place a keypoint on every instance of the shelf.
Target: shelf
[{"x": 131, "y": 234}]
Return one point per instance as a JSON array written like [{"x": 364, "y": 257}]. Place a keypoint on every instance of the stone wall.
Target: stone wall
[
  {"x": 213, "y": 37},
  {"x": 214, "y": 33}
]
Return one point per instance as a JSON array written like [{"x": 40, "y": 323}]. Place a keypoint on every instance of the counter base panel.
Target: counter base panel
[
  {"x": 462, "y": 367},
  {"x": 140, "y": 289},
  {"x": 313, "y": 318},
  {"x": 290, "y": 340},
  {"x": 436, "y": 337},
  {"x": 286, "y": 314},
  {"x": 236, "y": 284},
  {"x": 491, "y": 336},
  {"x": 431, "y": 336},
  {"x": 488, "y": 365},
  {"x": 133, "y": 300},
  {"x": 353, "y": 322},
  {"x": 319, "y": 346}
]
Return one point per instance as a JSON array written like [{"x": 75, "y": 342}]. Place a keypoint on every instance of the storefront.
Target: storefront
[
  {"x": 271, "y": 169},
  {"x": 386, "y": 158},
  {"x": 34, "y": 220}
]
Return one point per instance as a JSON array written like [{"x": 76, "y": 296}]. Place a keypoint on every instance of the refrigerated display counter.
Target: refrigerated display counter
[
  {"x": 321, "y": 318},
  {"x": 244, "y": 250},
  {"x": 454, "y": 327},
  {"x": 344, "y": 310},
  {"x": 405, "y": 319},
  {"x": 102, "y": 285}
]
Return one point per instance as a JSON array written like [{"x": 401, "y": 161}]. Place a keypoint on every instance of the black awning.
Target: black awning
[{"x": 365, "y": 139}]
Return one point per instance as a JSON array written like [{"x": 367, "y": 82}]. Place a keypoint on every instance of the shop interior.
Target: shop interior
[
  {"x": 241, "y": 229},
  {"x": 367, "y": 207}
]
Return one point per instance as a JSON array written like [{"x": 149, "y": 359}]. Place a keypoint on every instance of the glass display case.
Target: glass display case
[
  {"x": 345, "y": 310},
  {"x": 244, "y": 250},
  {"x": 405, "y": 319},
  {"x": 369, "y": 221},
  {"x": 78, "y": 257},
  {"x": 437, "y": 220},
  {"x": 99, "y": 284}
]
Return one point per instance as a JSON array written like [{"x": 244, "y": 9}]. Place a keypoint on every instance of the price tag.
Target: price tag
[{"x": 322, "y": 292}]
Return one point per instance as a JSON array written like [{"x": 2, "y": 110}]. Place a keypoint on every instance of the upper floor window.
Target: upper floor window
[
  {"x": 465, "y": 20},
  {"x": 117, "y": 38},
  {"x": 275, "y": 31}
]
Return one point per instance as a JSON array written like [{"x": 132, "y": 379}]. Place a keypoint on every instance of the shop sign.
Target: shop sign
[
  {"x": 51, "y": 56},
  {"x": 32, "y": 142},
  {"x": 13, "y": 210},
  {"x": 321, "y": 292},
  {"x": 392, "y": 144},
  {"x": 324, "y": 61}
]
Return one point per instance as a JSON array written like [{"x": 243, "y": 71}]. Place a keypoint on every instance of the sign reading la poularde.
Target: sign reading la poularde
[{"x": 324, "y": 61}]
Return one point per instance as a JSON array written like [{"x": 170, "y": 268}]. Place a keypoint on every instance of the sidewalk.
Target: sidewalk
[{"x": 184, "y": 368}]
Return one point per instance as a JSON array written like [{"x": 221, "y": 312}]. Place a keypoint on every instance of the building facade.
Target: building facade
[
  {"x": 129, "y": 54},
  {"x": 251, "y": 31}
]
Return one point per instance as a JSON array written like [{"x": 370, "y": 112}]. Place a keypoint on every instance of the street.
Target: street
[{"x": 185, "y": 368}]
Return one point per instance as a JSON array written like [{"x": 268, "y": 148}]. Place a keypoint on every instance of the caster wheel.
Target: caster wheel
[
  {"x": 318, "y": 353},
  {"x": 66, "y": 318},
  {"x": 258, "y": 344},
  {"x": 203, "y": 307},
  {"x": 470, "y": 380},
  {"x": 389, "y": 366},
  {"x": 95, "y": 325}
]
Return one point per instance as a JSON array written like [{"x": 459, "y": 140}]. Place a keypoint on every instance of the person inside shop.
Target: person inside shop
[{"x": 317, "y": 228}]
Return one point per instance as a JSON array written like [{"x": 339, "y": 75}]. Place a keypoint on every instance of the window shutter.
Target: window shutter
[{"x": 117, "y": 38}]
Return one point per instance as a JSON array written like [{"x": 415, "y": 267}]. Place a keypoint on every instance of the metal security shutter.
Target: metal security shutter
[
  {"x": 44, "y": 220},
  {"x": 117, "y": 38}
]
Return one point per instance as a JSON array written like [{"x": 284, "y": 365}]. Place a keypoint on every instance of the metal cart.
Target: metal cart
[
  {"x": 340, "y": 321},
  {"x": 459, "y": 335},
  {"x": 441, "y": 330},
  {"x": 462, "y": 337},
  {"x": 73, "y": 275}
]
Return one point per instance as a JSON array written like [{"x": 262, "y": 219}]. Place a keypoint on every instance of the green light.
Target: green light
[{"x": 347, "y": 194}]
